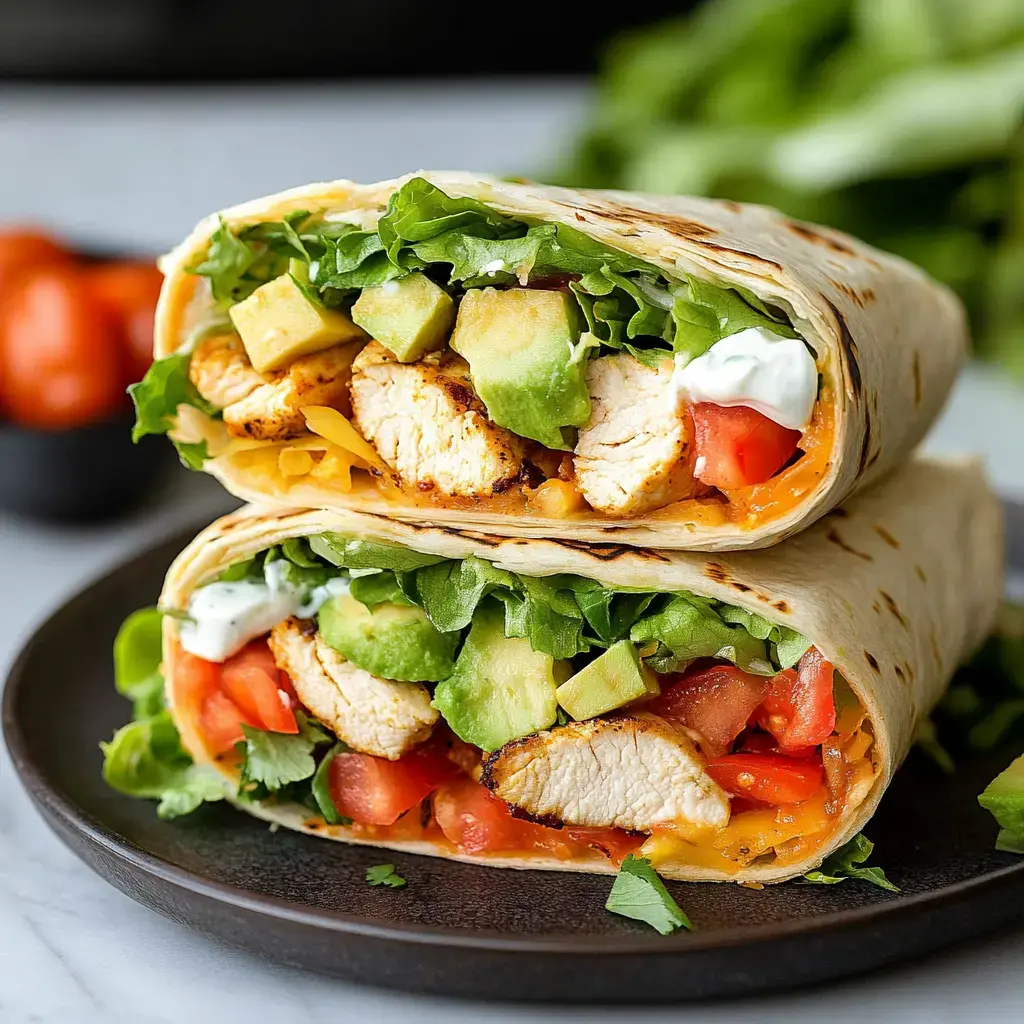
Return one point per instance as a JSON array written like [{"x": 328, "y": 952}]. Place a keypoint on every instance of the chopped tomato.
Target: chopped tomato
[
  {"x": 252, "y": 680},
  {"x": 23, "y": 250},
  {"x": 374, "y": 791},
  {"x": 129, "y": 291},
  {"x": 800, "y": 709},
  {"x": 737, "y": 446},
  {"x": 221, "y": 721},
  {"x": 476, "y": 821},
  {"x": 615, "y": 843},
  {"x": 755, "y": 742},
  {"x": 715, "y": 702},
  {"x": 768, "y": 778},
  {"x": 59, "y": 363}
]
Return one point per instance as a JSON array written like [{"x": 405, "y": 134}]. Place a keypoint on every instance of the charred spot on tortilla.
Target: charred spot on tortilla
[
  {"x": 849, "y": 346},
  {"x": 870, "y": 658},
  {"x": 809, "y": 234},
  {"x": 890, "y": 603},
  {"x": 579, "y": 216},
  {"x": 886, "y": 536},
  {"x": 865, "y": 448},
  {"x": 834, "y": 538},
  {"x": 733, "y": 251},
  {"x": 781, "y": 606},
  {"x": 731, "y": 205},
  {"x": 876, "y": 607},
  {"x": 609, "y": 552},
  {"x": 900, "y": 675},
  {"x": 717, "y": 572},
  {"x": 916, "y": 370}
]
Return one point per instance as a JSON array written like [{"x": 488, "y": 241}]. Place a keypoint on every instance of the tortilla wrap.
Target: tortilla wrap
[
  {"x": 888, "y": 344},
  {"x": 896, "y": 589}
]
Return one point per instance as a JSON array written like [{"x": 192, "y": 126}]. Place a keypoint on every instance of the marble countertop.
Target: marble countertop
[{"x": 136, "y": 169}]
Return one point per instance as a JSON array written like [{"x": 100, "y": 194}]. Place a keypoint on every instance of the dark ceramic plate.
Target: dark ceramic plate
[{"x": 474, "y": 931}]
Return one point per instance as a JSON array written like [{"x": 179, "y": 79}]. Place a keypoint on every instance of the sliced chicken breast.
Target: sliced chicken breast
[
  {"x": 221, "y": 371},
  {"x": 634, "y": 773},
  {"x": 273, "y": 411},
  {"x": 427, "y": 423},
  {"x": 382, "y": 717},
  {"x": 631, "y": 456}
]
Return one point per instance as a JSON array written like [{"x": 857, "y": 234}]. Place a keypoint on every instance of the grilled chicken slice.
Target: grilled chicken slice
[
  {"x": 221, "y": 371},
  {"x": 273, "y": 411},
  {"x": 631, "y": 457},
  {"x": 382, "y": 717},
  {"x": 634, "y": 773},
  {"x": 427, "y": 423}
]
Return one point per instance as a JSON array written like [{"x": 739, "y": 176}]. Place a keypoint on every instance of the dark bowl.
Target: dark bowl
[{"x": 79, "y": 475}]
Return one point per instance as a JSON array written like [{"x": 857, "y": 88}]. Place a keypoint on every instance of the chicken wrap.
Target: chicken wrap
[
  {"x": 536, "y": 361},
  {"x": 548, "y": 704}
]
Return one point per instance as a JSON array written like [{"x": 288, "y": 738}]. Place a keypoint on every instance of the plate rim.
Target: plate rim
[{"x": 51, "y": 801}]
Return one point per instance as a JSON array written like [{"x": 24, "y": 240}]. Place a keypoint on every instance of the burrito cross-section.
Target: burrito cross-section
[
  {"x": 550, "y": 704},
  {"x": 665, "y": 372}
]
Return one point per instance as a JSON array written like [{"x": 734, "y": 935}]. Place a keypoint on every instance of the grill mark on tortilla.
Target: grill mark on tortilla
[
  {"x": 809, "y": 234},
  {"x": 781, "y": 606},
  {"x": 900, "y": 676},
  {"x": 916, "y": 370},
  {"x": 886, "y": 536},
  {"x": 733, "y": 251},
  {"x": 849, "y": 346},
  {"x": 860, "y": 299},
  {"x": 872, "y": 661},
  {"x": 876, "y": 607},
  {"x": 833, "y": 536},
  {"x": 920, "y": 574},
  {"x": 731, "y": 204},
  {"x": 608, "y": 552},
  {"x": 632, "y": 216},
  {"x": 893, "y": 607}
]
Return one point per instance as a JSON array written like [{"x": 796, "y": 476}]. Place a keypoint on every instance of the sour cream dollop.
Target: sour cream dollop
[
  {"x": 763, "y": 371},
  {"x": 224, "y": 617}
]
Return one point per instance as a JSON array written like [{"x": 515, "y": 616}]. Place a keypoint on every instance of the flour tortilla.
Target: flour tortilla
[
  {"x": 896, "y": 588},
  {"x": 889, "y": 341}
]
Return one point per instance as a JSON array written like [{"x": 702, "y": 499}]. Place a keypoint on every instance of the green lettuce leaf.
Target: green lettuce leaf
[
  {"x": 450, "y": 591},
  {"x": 688, "y": 627},
  {"x": 352, "y": 553},
  {"x": 146, "y": 759},
  {"x": 322, "y": 787},
  {"x": 1004, "y": 799},
  {"x": 545, "y": 611},
  {"x": 158, "y": 395},
  {"x": 787, "y": 645},
  {"x": 274, "y": 759},
  {"x": 138, "y": 651},
  {"x": 847, "y": 862},
  {"x": 638, "y": 893},
  {"x": 378, "y": 588},
  {"x": 192, "y": 454}
]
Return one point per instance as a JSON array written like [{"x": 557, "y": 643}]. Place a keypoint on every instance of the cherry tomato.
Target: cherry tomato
[
  {"x": 800, "y": 709},
  {"x": 128, "y": 291},
  {"x": 715, "y": 702},
  {"x": 22, "y": 250},
  {"x": 375, "y": 791},
  {"x": 476, "y": 821},
  {"x": 736, "y": 447},
  {"x": 59, "y": 365},
  {"x": 252, "y": 680},
  {"x": 767, "y": 778}
]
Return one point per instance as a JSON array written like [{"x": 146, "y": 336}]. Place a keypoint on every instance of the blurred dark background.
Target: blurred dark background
[{"x": 222, "y": 40}]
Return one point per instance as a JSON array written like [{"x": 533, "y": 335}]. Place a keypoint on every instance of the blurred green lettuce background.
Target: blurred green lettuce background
[{"x": 900, "y": 121}]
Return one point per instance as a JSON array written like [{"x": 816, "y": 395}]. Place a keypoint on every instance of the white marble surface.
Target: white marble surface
[{"x": 137, "y": 170}]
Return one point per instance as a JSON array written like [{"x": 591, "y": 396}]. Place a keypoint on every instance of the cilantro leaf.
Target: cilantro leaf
[
  {"x": 384, "y": 874},
  {"x": 158, "y": 395},
  {"x": 274, "y": 759},
  {"x": 846, "y": 863},
  {"x": 639, "y": 893}
]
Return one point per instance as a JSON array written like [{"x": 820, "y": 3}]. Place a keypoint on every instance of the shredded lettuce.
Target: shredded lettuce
[
  {"x": 158, "y": 395},
  {"x": 353, "y": 553},
  {"x": 638, "y": 893},
  {"x": 847, "y": 862}
]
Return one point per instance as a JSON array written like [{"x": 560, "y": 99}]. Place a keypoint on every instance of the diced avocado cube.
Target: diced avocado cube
[
  {"x": 613, "y": 679},
  {"x": 392, "y": 641},
  {"x": 409, "y": 317},
  {"x": 501, "y": 688},
  {"x": 520, "y": 346},
  {"x": 1004, "y": 797},
  {"x": 278, "y": 323}
]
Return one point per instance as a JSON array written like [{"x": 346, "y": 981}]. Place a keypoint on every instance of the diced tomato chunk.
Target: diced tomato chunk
[
  {"x": 737, "y": 446},
  {"x": 756, "y": 742},
  {"x": 478, "y": 822},
  {"x": 768, "y": 778},
  {"x": 375, "y": 791},
  {"x": 715, "y": 702},
  {"x": 252, "y": 680},
  {"x": 221, "y": 721},
  {"x": 615, "y": 843},
  {"x": 800, "y": 709}
]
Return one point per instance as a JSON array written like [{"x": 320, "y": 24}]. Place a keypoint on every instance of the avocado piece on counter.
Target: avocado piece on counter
[
  {"x": 279, "y": 322},
  {"x": 501, "y": 688},
  {"x": 1004, "y": 797},
  {"x": 391, "y": 641},
  {"x": 520, "y": 344},
  {"x": 612, "y": 680},
  {"x": 409, "y": 317}
]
